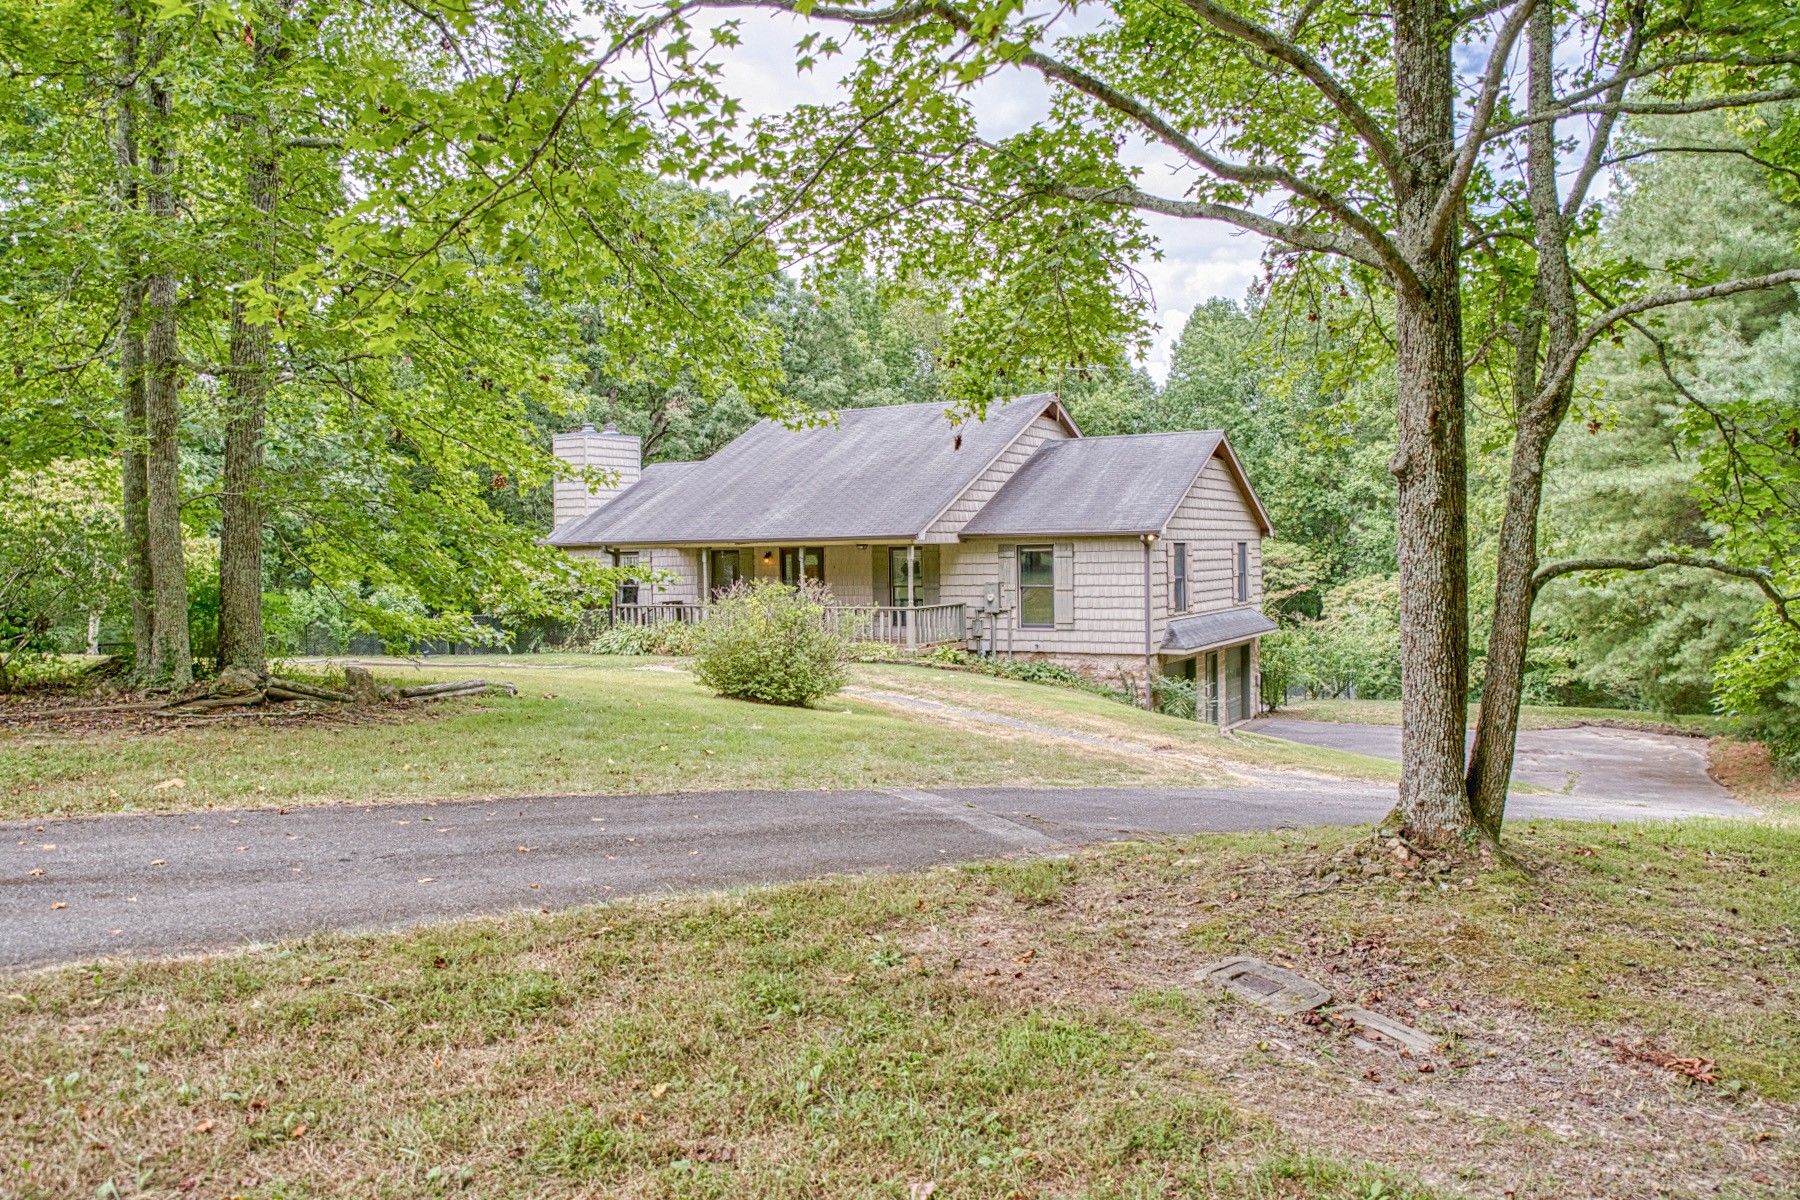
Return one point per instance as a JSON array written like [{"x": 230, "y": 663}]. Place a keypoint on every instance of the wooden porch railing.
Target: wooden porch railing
[
  {"x": 924, "y": 625},
  {"x": 659, "y": 614}
]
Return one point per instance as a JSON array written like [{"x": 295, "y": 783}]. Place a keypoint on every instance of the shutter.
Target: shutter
[
  {"x": 1170, "y": 592},
  {"x": 878, "y": 573},
  {"x": 1009, "y": 580},
  {"x": 928, "y": 569},
  {"x": 1064, "y": 575}
]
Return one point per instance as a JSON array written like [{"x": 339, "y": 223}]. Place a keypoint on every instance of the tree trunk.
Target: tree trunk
[
  {"x": 1553, "y": 319},
  {"x": 171, "y": 655},
  {"x": 241, "y": 641},
  {"x": 131, "y": 345},
  {"x": 1428, "y": 463}
]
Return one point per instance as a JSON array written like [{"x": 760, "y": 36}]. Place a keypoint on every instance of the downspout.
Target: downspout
[{"x": 1148, "y": 539}]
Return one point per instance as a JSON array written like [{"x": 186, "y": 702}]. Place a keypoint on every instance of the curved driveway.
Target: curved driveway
[
  {"x": 1663, "y": 773},
  {"x": 77, "y": 889}
]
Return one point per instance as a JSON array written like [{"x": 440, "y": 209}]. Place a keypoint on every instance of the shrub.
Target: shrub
[
  {"x": 770, "y": 642},
  {"x": 1175, "y": 696},
  {"x": 668, "y": 637}
]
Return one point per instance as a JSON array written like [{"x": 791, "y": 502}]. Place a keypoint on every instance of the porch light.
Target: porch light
[{"x": 768, "y": 556}]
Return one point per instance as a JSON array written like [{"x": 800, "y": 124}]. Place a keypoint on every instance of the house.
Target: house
[{"x": 1015, "y": 535}]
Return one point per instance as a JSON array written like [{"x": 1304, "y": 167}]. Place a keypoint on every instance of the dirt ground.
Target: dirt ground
[{"x": 1513, "y": 1105}]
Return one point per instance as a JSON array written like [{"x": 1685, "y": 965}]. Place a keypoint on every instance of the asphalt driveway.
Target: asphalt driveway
[
  {"x": 1665, "y": 774},
  {"x": 78, "y": 889}
]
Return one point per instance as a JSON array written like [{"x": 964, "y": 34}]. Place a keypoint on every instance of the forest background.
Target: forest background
[{"x": 406, "y": 429}]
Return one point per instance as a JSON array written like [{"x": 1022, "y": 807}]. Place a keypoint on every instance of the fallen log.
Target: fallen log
[
  {"x": 208, "y": 702},
  {"x": 274, "y": 692},
  {"x": 307, "y": 691},
  {"x": 136, "y": 706},
  {"x": 461, "y": 687}
]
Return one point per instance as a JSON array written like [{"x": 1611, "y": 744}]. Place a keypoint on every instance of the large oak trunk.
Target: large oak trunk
[
  {"x": 1428, "y": 464},
  {"x": 171, "y": 654},
  {"x": 1553, "y": 320},
  {"x": 241, "y": 641}
]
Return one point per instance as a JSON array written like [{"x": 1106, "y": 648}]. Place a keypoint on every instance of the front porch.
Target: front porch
[{"x": 897, "y": 625}]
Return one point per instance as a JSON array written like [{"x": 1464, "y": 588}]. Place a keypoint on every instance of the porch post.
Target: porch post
[
  {"x": 1149, "y": 623},
  {"x": 705, "y": 576},
  {"x": 1219, "y": 674},
  {"x": 912, "y": 616}
]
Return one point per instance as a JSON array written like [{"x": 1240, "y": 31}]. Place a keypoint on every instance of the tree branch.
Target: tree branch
[
  {"x": 1601, "y": 136},
  {"x": 1298, "y": 236},
  {"x": 1632, "y": 70},
  {"x": 1565, "y": 367},
  {"x": 1392, "y": 260},
  {"x": 1267, "y": 40},
  {"x": 1757, "y": 575},
  {"x": 1651, "y": 108},
  {"x": 1443, "y": 216}
]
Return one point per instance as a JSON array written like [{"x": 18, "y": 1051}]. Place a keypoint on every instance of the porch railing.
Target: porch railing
[
  {"x": 658, "y": 614},
  {"x": 923, "y": 625}
]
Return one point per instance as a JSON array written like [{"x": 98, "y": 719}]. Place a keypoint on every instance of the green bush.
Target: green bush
[
  {"x": 669, "y": 637},
  {"x": 770, "y": 642},
  {"x": 1174, "y": 695}
]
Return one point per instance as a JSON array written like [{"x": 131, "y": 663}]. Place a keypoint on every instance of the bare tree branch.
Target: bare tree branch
[
  {"x": 1297, "y": 236},
  {"x": 1449, "y": 203},
  {"x": 1601, "y": 135},
  {"x": 1764, "y": 163},
  {"x": 1632, "y": 70},
  {"x": 1474, "y": 12},
  {"x": 1565, "y": 367},
  {"x": 1651, "y": 108},
  {"x": 1757, "y": 575}
]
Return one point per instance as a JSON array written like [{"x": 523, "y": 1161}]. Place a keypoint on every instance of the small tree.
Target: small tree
[
  {"x": 770, "y": 642},
  {"x": 59, "y": 532}
]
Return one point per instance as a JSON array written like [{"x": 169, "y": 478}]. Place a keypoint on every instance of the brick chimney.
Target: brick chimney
[{"x": 606, "y": 450}]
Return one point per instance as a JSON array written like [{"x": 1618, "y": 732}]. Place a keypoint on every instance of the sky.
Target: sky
[{"x": 1200, "y": 259}]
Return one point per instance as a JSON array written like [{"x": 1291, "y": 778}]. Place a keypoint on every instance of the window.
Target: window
[
  {"x": 1243, "y": 572},
  {"x": 1037, "y": 587},
  {"x": 628, "y": 590},
  {"x": 798, "y": 562},
  {"x": 897, "y": 576},
  {"x": 724, "y": 568},
  {"x": 1179, "y": 568}
]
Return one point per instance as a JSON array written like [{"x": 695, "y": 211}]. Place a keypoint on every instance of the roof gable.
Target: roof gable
[{"x": 1128, "y": 484}]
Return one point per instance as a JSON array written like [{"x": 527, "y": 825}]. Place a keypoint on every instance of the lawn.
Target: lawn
[
  {"x": 583, "y": 724},
  {"x": 1017, "y": 1029}
]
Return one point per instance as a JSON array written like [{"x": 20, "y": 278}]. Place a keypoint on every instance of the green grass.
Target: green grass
[
  {"x": 1090, "y": 713},
  {"x": 612, "y": 726},
  {"x": 808, "y": 1040},
  {"x": 1531, "y": 716}
]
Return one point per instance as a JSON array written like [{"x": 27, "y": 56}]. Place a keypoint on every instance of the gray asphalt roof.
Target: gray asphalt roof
[
  {"x": 657, "y": 479},
  {"x": 1131, "y": 483},
  {"x": 878, "y": 474},
  {"x": 1215, "y": 629}
]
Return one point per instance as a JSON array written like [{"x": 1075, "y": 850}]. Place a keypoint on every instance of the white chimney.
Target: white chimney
[{"x": 620, "y": 455}]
